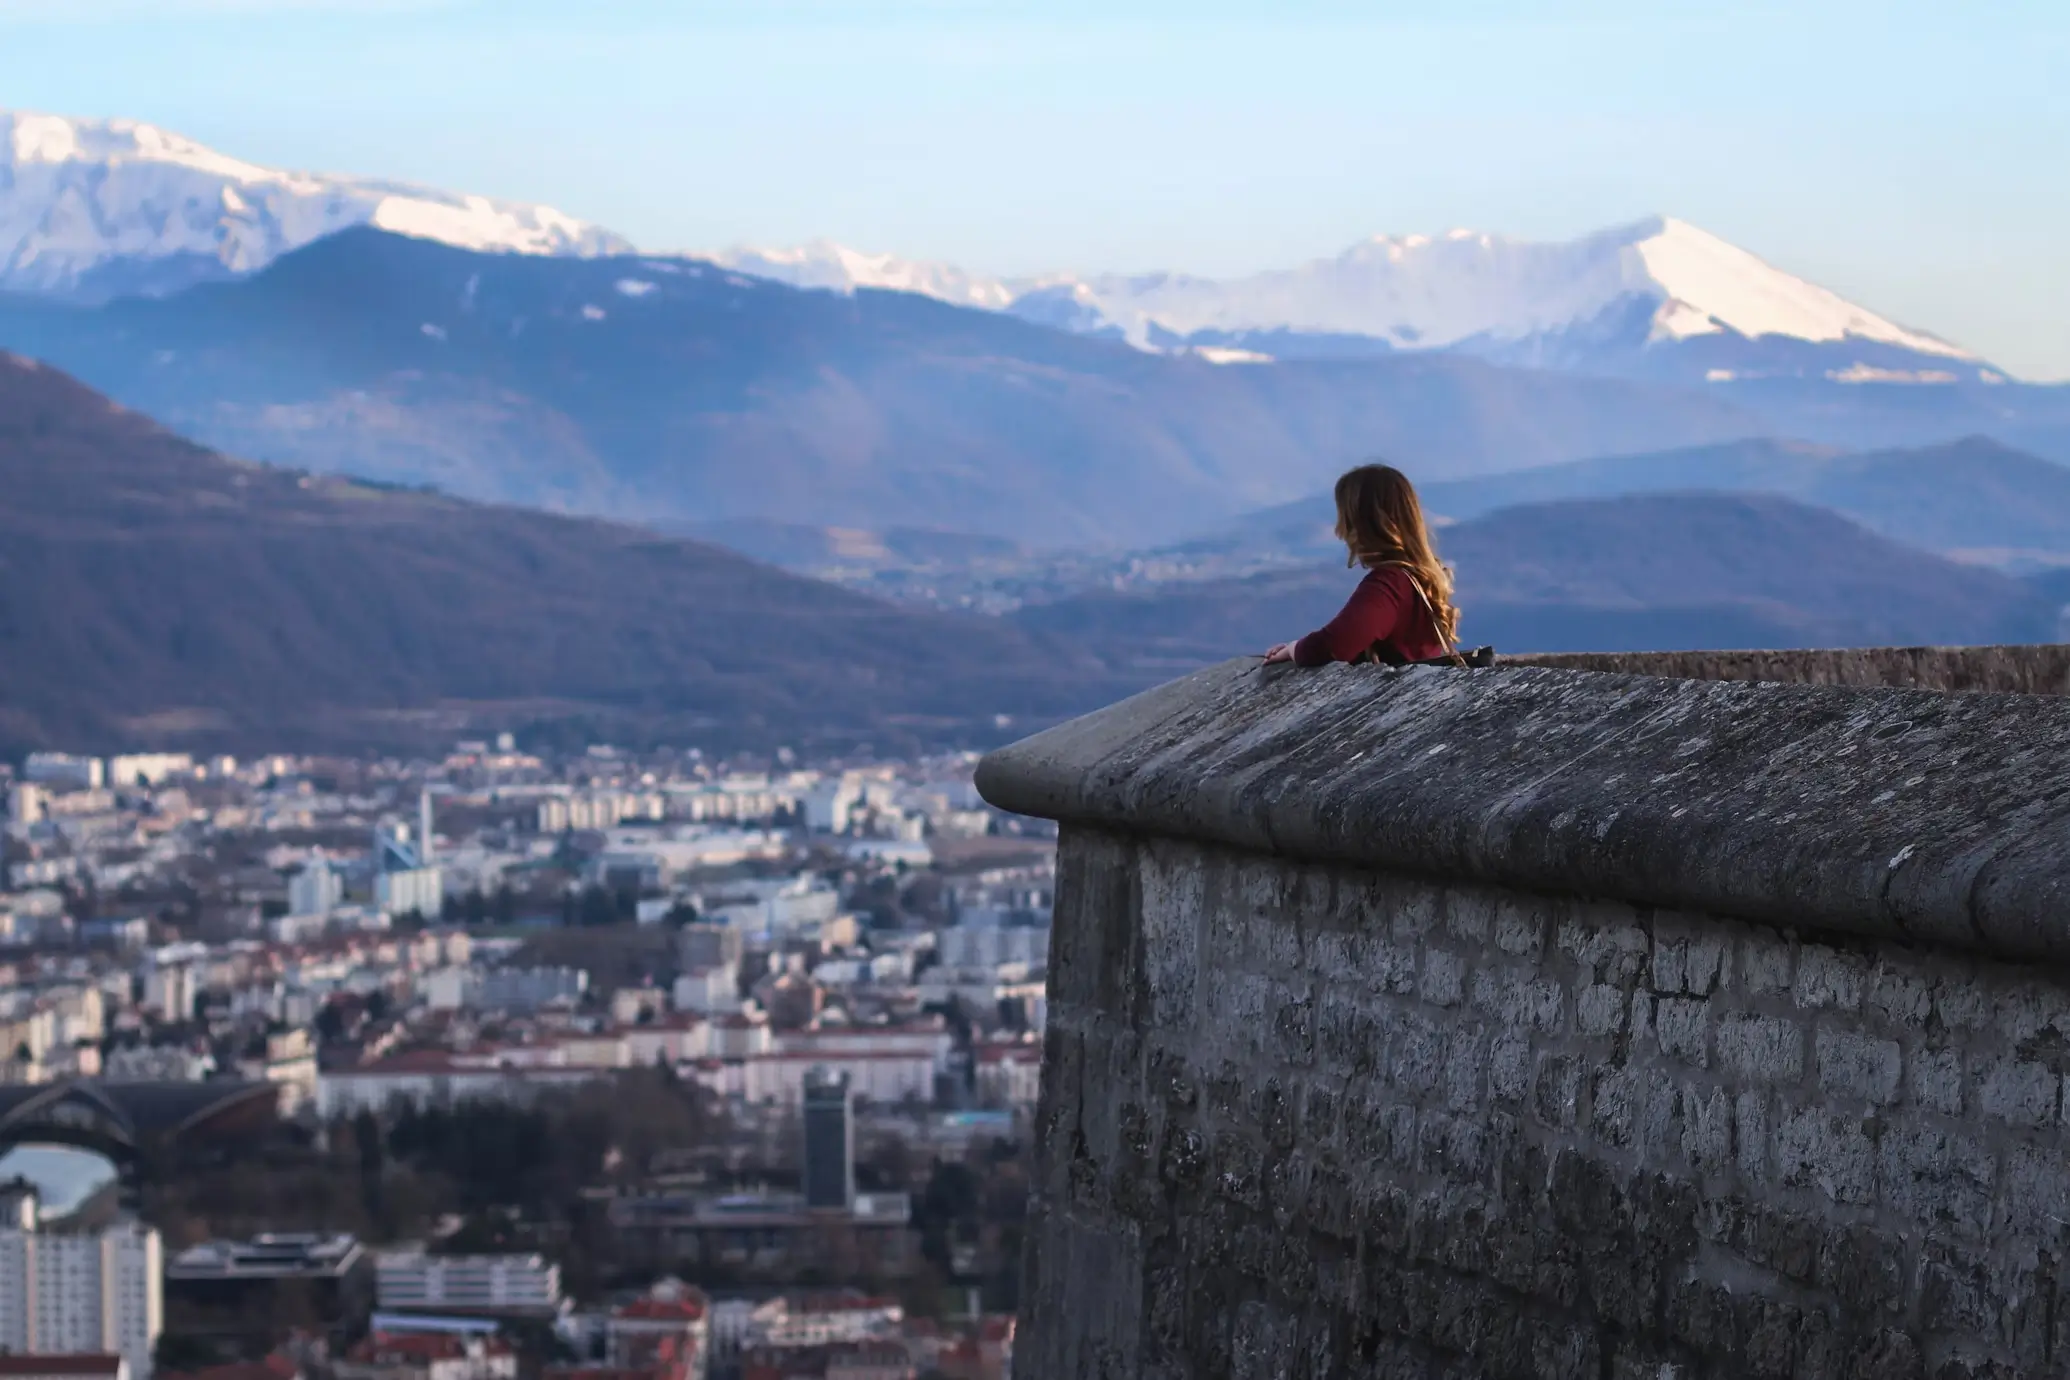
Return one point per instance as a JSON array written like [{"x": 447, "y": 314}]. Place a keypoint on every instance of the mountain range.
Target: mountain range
[
  {"x": 93, "y": 209},
  {"x": 1657, "y": 298},
  {"x": 99, "y": 208},
  {"x": 155, "y": 591},
  {"x": 672, "y": 391},
  {"x": 511, "y": 353},
  {"x": 1973, "y": 499},
  {"x": 1643, "y": 572}
]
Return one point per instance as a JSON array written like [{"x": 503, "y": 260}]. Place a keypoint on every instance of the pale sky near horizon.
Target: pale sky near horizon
[{"x": 1913, "y": 157}]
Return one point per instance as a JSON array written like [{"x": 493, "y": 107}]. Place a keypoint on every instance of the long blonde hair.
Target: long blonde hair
[{"x": 1381, "y": 523}]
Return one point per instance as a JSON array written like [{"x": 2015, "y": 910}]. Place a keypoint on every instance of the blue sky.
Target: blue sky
[{"x": 1914, "y": 157}]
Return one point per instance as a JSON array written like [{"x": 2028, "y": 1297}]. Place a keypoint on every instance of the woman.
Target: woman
[{"x": 1402, "y": 611}]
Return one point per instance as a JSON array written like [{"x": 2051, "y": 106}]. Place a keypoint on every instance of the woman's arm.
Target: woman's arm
[{"x": 1373, "y": 612}]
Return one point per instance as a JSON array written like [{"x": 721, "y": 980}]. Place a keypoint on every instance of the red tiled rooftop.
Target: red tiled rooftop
[
  {"x": 274, "y": 1367},
  {"x": 662, "y": 1310}
]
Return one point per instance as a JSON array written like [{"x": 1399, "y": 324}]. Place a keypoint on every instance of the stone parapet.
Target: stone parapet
[{"x": 1525, "y": 1022}]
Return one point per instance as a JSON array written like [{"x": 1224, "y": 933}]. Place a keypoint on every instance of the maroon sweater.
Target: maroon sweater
[{"x": 1384, "y": 608}]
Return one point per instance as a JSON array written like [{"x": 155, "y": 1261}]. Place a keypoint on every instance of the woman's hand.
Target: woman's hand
[{"x": 1283, "y": 652}]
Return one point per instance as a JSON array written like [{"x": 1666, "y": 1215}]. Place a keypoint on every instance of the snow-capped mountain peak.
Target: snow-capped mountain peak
[
  {"x": 96, "y": 207},
  {"x": 1661, "y": 289},
  {"x": 1711, "y": 285}
]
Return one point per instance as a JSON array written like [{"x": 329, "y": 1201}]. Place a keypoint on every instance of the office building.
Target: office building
[
  {"x": 411, "y": 1282},
  {"x": 829, "y": 1140},
  {"x": 78, "y": 1293},
  {"x": 27, "y": 803},
  {"x": 63, "y": 769},
  {"x": 149, "y": 768},
  {"x": 414, "y": 890},
  {"x": 332, "y": 1275},
  {"x": 316, "y": 889}
]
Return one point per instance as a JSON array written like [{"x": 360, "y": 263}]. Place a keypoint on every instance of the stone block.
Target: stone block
[
  {"x": 1520, "y": 926},
  {"x": 1293, "y": 1023},
  {"x": 2037, "y": 1180},
  {"x": 1279, "y": 1113},
  {"x": 1936, "y": 1176},
  {"x": 1767, "y": 961},
  {"x": 1348, "y": 1040},
  {"x": 1606, "y": 941},
  {"x": 1239, "y": 1169},
  {"x": 1510, "y": 1066},
  {"x": 1469, "y": 914},
  {"x": 1184, "y": 1162},
  {"x": 2015, "y": 1090},
  {"x": 1688, "y": 954},
  {"x": 1173, "y": 907},
  {"x": 2032, "y": 1011},
  {"x": 1707, "y": 1128},
  {"x": 1901, "y": 992},
  {"x": 1556, "y": 1090},
  {"x": 1443, "y": 979},
  {"x": 1851, "y": 1064},
  {"x": 1451, "y": 1147},
  {"x": 1262, "y": 1343},
  {"x": 1415, "y": 1050},
  {"x": 1465, "y": 1070},
  {"x": 1529, "y": 1003},
  {"x": 1937, "y": 1080},
  {"x": 1885, "y": 1355},
  {"x": 1833, "y": 1153},
  {"x": 1864, "y": 1269},
  {"x": 1599, "y": 1010},
  {"x": 1830, "y": 978},
  {"x": 1379, "y": 1132},
  {"x": 1750, "y": 1135},
  {"x": 1762, "y": 1049},
  {"x": 1778, "y": 1239},
  {"x": 1682, "y": 1026},
  {"x": 1960, "y": 1002}
]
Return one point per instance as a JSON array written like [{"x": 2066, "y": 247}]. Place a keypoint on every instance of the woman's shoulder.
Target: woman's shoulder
[{"x": 1388, "y": 579}]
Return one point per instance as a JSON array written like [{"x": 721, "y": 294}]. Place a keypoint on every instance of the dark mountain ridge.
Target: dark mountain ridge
[
  {"x": 153, "y": 591},
  {"x": 1652, "y": 572},
  {"x": 1974, "y": 497},
  {"x": 669, "y": 390}
]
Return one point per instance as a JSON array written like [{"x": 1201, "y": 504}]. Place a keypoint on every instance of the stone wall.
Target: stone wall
[
  {"x": 2030, "y": 670},
  {"x": 1532, "y": 1023}
]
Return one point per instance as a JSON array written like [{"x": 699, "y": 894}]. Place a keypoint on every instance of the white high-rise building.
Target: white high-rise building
[
  {"x": 63, "y": 769},
  {"x": 74, "y": 1293},
  {"x": 316, "y": 889},
  {"x": 148, "y": 768},
  {"x": 418, "y": 889}
]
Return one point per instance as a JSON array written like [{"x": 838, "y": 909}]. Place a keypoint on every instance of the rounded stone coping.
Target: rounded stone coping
[
  {"x": 1895, "y": 813},
  {"x": 2041, "y": 669}
]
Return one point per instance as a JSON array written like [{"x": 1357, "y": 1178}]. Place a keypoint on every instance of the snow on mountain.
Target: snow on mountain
[
  {"x": 1618, "y": 293},
  {"x": 824, "y": 264},
  {"x": 97, "y": 207}
]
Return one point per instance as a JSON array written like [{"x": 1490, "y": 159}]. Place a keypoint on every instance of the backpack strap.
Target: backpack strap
[{"x": 1451, "y": 655}]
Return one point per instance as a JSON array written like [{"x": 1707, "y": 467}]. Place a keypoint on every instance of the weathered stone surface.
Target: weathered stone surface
[
  {"x": 1958, "y": 670},
  {"x": 1622, "y": 1047},
  {"x": 1887, "y": 813}
]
